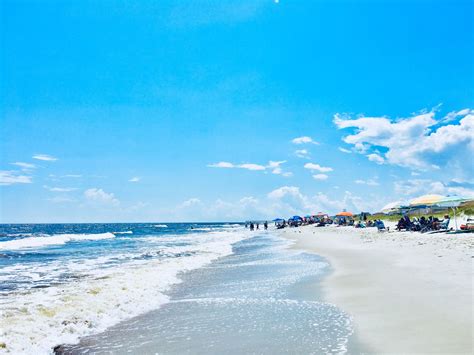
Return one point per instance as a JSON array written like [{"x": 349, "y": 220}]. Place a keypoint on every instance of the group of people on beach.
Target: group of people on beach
[
  {"x": 256, "y": 225},
  {"x": 423, "y": 224}
]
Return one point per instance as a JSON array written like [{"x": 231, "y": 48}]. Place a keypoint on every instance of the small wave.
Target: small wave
[
  {"x": 160, "y": 226},
  {"x": 126, "y": 232},
  {"x": 58, "y": 239}
]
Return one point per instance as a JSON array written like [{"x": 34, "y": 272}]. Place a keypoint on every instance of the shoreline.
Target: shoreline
[{"x": 406, "y": 292}]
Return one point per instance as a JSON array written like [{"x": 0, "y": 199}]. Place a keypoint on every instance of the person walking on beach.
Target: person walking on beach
[
  {"x": 251, "y": 226},
  {"x": 258, "y": 225},
  {"x": 265, "y": 225}
]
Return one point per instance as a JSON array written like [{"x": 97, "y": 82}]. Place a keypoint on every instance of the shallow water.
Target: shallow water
[
  {"x": 65, "y": 281},
  {"x": 254, "y": 300}
]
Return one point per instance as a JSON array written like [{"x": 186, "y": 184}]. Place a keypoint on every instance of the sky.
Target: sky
[{"x": 143, "y": 111}]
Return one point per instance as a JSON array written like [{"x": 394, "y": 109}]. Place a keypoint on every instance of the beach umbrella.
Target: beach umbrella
[
  {"x": 426, "y": 200},
  {"x": 278, "y": 220},
  {"x": 389, "y": 207},
  {"x": 452, "y": 202},
  {"x": 296, "y": 218},
  {"x": 345, "y": 214}
]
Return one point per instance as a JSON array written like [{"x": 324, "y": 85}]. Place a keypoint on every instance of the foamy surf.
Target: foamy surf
[
  {"x": 101, "y": 294},
  {"x": 49, "y": 240}
]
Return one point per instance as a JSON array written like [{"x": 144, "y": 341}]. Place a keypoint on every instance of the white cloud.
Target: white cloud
[
  {"x": 44, "y": 157},
  {"x": 227, "y": 165},
  {"x": 417, "y": 142},
  {"x": 302, "y": 153},
  {"x": 284, "y": 201},
  {"x": 191, "y": 202},
  {"x": 304, "y": 140},
  {"x": 369, "y": 182},
  {"x": 317, "y": 167},
  {"x": 273, "y": 166},
  {"x": 135, "y": 179},
  {"x": 59, "y": 189},
  {"x": 416, "y": 187},
  {"x": 100, "y": 196},
  {"x": 320, "y": 177},
  {"x": 8, "y": 177},
  {"x": 75, "y": 176},
  {"x": 376, "y": 158},
  {"x": 222, "y": 164},
  {"x": 61, "y": 199},
  {"x": 344, "y": 150},
  {"x": 455, "y": 114},
  {"x": 276, "y": 169},
  {"x": 25, "y": 166},
  {"x": 250, "y": 166}
]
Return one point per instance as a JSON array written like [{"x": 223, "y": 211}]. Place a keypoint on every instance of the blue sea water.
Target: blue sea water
[{"x": 162, "y": 288}]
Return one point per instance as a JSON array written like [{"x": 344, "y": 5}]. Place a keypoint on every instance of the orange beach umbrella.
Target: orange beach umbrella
[{"x": 345, "y": 214}]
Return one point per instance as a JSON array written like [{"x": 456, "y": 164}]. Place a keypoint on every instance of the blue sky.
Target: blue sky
[{"x": 228, "y": 110}]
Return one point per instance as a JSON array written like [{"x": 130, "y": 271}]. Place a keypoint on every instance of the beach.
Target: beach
[{"x": 407, "y": 292}]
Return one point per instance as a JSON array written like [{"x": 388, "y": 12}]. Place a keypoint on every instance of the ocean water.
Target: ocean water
[{"x": 162, "y": 288}]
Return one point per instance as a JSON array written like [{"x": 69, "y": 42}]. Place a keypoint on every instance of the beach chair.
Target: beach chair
[{"x": 380, "y": 226}]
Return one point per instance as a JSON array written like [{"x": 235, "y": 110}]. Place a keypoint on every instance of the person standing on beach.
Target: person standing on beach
[
  {"x": 265, "y": 225},
  {"x": 258, "y": 225}
]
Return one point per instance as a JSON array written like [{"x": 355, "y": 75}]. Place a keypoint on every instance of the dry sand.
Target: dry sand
[{"x": 408, "y": 293}]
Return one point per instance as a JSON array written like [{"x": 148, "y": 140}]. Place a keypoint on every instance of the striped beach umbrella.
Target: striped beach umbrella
[
  {"x": 451, "y": 201},
  {"x": 426, "y": 200}
]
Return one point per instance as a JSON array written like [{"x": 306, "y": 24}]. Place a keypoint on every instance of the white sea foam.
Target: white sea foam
[
  {"x": 160, "y": 226},
  {"x": 126, "y": 232},
  {"x": 43, "y": 241},
  {"x": 36, "y": 320}
]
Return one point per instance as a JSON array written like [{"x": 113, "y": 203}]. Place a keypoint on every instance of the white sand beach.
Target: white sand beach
[{"x": 408, "y": 293}]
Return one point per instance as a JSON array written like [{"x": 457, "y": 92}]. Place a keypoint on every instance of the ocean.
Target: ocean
[{"x": 162, "y": 288}]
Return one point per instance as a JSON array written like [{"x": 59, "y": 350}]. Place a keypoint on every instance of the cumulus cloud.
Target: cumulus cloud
[
  {"x": 135, "y": 179},
  {"x": 273, "y": 166},
  {"x": 417, "y": 142},
  {"x": 376, "y": 158},
  {"x": 100, "y": 196},
  {"x": 317, "y": 167},
  {"x": 304, "y": 140},
  {"x": 302, "y": 153},
  {"x": 8, "y": 177},
  {"x": 320, "y": 177},
  {"x": 284, "y": 201},
  {"x": 44, "y": 157}
]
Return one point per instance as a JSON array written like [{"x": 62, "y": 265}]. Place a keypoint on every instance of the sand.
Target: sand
[{"x": 408, "y": 293}]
